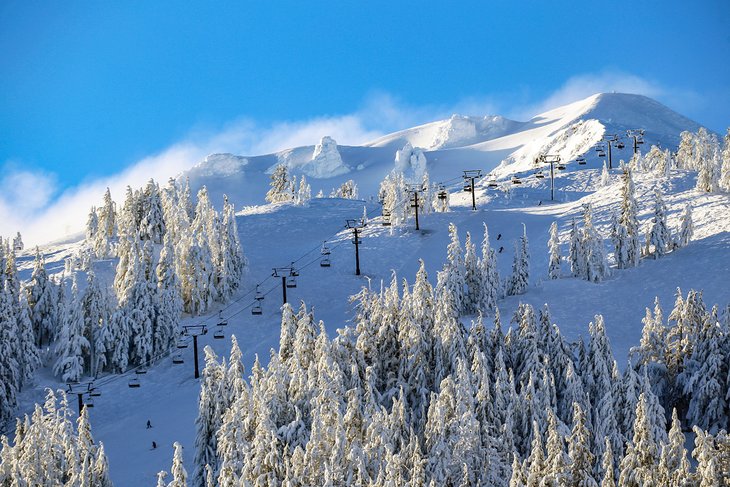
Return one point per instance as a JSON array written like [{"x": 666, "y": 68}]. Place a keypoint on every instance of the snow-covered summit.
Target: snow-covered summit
[
  {"x": 456, "y": 131},
  {"x": 490, "y": 143}
]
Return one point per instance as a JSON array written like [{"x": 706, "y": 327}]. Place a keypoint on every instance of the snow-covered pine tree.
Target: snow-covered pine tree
[
  {"x": 519, "y": 280},
  {"x": 170, "y": 303},
  {"x": 659, "y": 237},
  {"x": 626, "y": 232},
  {"x": 92, "y": 227},
  {"x": 472, "y": 277},
  {"x": 576, "y": 252},
  {"x": 41, "y": 298},
  {"x": 152, "y": 224},
  {"x": 579, "y": 450},
  {"x": 29, "y": 357},
  {"x": 638, "y": 467},
  {"x": 686, "y": 151},
  {"x": 686, "y": 228},
  {"x": 304, "y": 193},
  {"x": 491, "y": 282},
  {"x": 96, "y": 315},
  {"x": 596, "y": 265},
  {"x": 210, "y": 415},
  {"x": 673, "y": 463},
  {"x": 725, "y": 168},
  {"x": 230, "y": 257},
  {"x": 554, "y": 252},
  {"x": 72, "y": 346},
  {"x": 605, "y": 176},
  {"x": 279, "y": 191}
]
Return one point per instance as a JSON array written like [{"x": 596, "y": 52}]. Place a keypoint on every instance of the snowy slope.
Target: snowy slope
[{"x": 275, "y": 235}]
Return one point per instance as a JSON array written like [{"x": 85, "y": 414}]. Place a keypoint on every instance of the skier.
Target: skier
[
  {"x": 501, "y": 249},
  {"x": 499, "y": 236},
  {"x": 154, "y": 445},
  {"x": 149, "y": 425}
]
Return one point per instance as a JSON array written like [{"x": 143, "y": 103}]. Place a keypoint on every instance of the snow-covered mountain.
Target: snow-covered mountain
[
  {"x": 277, "y": 234},
  {"x": 489, "y": 143}
]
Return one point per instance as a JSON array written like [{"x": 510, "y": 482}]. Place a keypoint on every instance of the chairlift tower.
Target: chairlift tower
[
  {"x": 195, "y": 331},
  {"x": 611, "y": 139},
  {"x": 552, "y": 160},
  {"x": 356, "y": 226},
  {"x": 288, "y": 278},
  {"x": 413, "y": 190},
  {"x": 469, "y": 177},
  {"x": 638, "y": 136},
  {"x": 81, "y": 389}
]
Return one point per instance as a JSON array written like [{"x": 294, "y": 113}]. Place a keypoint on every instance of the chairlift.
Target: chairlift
[
  {"x": 140, "y": 370},
  {"x": 134, "y": 383},
  {"x": 581, "y": 161},
  {"x": 640, "y": 140},
  {"x": 257, "y": 310},
  {"x": 292, "y": 271},
  {"x": 467, "y": 187},
  {"x": 492, "y": 183},
  {"x": 259, "y": 295},
  {"x": 325, "y": 262},
  {"x": 516, "y": 180},
  {"x": 325, "y": 250},
  {"x": 219, "y": 335},
  {"x": 180, "y": 343},
  {"x": 601, "y": 153},
  {"x": 221, "y": 321},
  {"x": 89, "y": 403},
  {"x": 386, "y": 220},
  {"x": 620, "y": 145},
  {"x": 561, "y": 166},
  {"x": 291, "y": 282},
  {"x": 442, "y": 194},
  {"x": 539, "y": 175},
  {"x": 177, "y": 359},
  {"x": 94, "y": 393}
]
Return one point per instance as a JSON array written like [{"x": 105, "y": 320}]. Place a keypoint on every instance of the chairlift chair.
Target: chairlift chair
[
  {"x": 219, "y": 335},
  {"x": 259, "y": 295},
  {"x": 325, "y": 262},
  {"x": 561, "y": 166},
  {"x": 291, "y": 282},
  {"x": 325, "y": 250},
  {"x": 386, "y": 220},
  {"x": 539, "y": 175},
  {"x": 492, "y": 183},
  {"x": 221, "y": 321},
  {"x": 177, "y": 359},
  {"x": 94, "y": 393},
  {"x": 257, "y": 310},
  {"x": 180, "y": 343},
  {"x": 134, "y": 383},
  {"x": 140, "y": 370},
  {"x": 640, "y": 140},
  {"x": 442, "y": 194},
  {"x": 601, "y": 153},
  {"x": 581, "y": 161},
  {"x": 516, "y": 180},
  {"x": 467, "y": 187},
  {"x": 89, "y": 403},
  {"x": 620, "y": 145}
]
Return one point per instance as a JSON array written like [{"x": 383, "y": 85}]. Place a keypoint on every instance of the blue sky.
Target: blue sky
[{"x": 88, "y": 89}]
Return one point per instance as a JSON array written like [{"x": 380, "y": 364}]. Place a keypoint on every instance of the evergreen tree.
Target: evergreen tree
[
  {"x": 472, "y": 277},
  {"x": 659, "y": 236},
  {"x": 579, "y": 450},
  {"x": 170, "y": 303},
  {"x": 725, "y": 168},
  {"x": 596, "y": 266},
  {"x": 605, "y": 176},
  {"x": 519, "y": 280},
  {"x": 72, "y": 345},
  {"x": 626, "y": 230},
  {"x": 673, "y": 463},
  {"x": 554, "y": 252},
  {"x": 686, "y": 229},
  {"x": 279, "y": 191},
  {"x": 491, "y": 282},
  {"x": 40, "y": 292}
]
